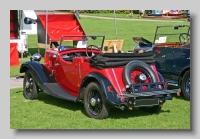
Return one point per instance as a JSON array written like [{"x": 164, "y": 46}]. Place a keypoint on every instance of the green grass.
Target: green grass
[
  {"x": 125, "y": 16},
  {"x": 48, "y": 112}
]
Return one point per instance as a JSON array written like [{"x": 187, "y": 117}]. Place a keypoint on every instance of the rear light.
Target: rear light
[
  {"x": 130, "y": 108},
  {"x": 166, "y": 84},
  {"x": 122, "y": 99},
  {"x": 178, "y": 94},
  {"x": 110, "y": 88},
  {"x": 157, "y": 51}
]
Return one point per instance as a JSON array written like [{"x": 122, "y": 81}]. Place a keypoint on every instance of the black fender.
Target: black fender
[
  {"x": 38, "y": 71},
  {"x": 161, "y": 77},
  {"x": 182, "y": 73},
  {"x": 110, "y": 97}
]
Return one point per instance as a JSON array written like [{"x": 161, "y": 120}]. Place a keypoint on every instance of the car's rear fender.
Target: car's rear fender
[
  {"x": 111, "y": 96},
  {"x": 37, "y": 71}
]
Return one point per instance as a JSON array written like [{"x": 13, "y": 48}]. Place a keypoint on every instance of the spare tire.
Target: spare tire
[{"x": 137, "y": 68}]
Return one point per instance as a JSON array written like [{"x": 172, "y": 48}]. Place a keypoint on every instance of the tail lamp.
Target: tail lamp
[
  {"x": 157, "y": 51},
  {"x": 110, "y": 88},
  {"x": 178, "y": 94},
  {"x": 166, "y": 84}
]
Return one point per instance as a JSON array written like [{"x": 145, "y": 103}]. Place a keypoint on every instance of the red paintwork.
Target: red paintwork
[
  {"x": 14, "y": 25},
  {"x": 14, "y": 57},
  {"x": 70, "y": 75},
  {"x": 61, "y": 25}
]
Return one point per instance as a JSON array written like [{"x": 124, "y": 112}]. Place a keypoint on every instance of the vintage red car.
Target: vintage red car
[{"x": 99, "y": 80}]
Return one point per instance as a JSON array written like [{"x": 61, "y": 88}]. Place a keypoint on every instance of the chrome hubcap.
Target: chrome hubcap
[
  {"x": 93, "y": 101},
  {"x": 142, "y": 77},
  {"x": 29, "y": 85}
]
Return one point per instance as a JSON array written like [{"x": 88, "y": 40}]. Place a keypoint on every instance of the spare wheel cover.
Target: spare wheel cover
[{"x": 134, "y": 64}]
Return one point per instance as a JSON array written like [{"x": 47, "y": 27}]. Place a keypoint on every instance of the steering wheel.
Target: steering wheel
[
  {"x": 91, "y": 47},
  {"x": 184, "y": 38}
]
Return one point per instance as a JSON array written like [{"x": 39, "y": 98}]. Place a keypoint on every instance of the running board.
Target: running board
[{"x": 55, "y": 90}]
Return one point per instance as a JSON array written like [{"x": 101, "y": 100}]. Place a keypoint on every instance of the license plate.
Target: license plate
[{"x": 147, "y": 102}]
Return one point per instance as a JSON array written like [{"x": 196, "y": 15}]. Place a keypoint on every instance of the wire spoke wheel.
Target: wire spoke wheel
[
  {"x": 186, "y": 85},
  {"x": 140, "y": 75},
  {"x": 29, "y": 86}
]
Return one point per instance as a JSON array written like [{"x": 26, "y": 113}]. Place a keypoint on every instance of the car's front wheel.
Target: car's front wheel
[
  {"x": 29, "y": 86},
  {"x": 94, "y": 102},
  {"x": 186, "y": 85}
]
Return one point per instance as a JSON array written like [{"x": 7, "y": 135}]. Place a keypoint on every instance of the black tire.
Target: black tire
[
  {"x": 151, "y": 109},
  {"x": 186, "y": 85},
  {"x": 135, "y": 64},
  {"x": 94, "y": 102},
  {"x": 29, "y": 86}
]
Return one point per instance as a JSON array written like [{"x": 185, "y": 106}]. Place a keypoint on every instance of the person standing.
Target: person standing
[
  {"x": 141, "y": 13},
  {"x": 131, "y": 14}
]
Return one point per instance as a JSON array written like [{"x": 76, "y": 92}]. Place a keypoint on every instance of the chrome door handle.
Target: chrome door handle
[{"x": 56, "y": 64}]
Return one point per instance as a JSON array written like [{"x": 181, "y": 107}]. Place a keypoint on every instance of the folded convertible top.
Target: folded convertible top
[{"x": 109, "y": 60}]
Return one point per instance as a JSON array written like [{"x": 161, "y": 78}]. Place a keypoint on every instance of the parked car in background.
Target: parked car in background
[{"x": 171, "y": 46}]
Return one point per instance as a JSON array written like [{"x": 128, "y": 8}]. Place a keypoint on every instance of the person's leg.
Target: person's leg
[{"x": 132, "y": 13}]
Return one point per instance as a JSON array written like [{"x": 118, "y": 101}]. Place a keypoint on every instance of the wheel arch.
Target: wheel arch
[
  {"x": 36, "y": 70},
  {"x": 110, "y": 97},
  {"x": 183, "y": 71}
]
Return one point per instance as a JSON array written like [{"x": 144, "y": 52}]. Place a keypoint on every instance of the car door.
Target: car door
[
  {"x": 170, "y": 60},
  {"x": 66, "y": 73},
  {"x": 165, "y": 62},
  {"x": 182, "y": 58},
  {"x": 160, "y": 53}
]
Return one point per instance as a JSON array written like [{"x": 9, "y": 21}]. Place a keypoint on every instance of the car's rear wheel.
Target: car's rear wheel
[
  {"x": 29, "y": 86},
  {"x": 94, "y": 102},
  {"x": 186, "y": 85}
]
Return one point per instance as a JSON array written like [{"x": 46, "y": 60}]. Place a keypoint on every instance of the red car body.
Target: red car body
[{"x": 99, "y": 80}]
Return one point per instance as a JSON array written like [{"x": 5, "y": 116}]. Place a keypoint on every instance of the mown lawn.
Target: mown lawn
[{"x": 48, "y": 112}]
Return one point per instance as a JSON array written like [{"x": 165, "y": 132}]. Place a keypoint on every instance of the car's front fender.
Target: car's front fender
[{"x": 38, "y": 71}]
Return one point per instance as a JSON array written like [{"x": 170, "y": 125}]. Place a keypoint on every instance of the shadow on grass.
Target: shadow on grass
[
  {"x": 175, "y": 95},
  {"x": 115, "y": 113}
]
